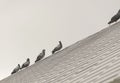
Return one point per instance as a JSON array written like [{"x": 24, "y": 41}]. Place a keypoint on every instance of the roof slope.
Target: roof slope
[
  {"x": 117, "y": 80},
  {"x": 95, "y": 59}
]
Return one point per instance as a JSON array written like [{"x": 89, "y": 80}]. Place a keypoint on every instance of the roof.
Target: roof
[{"x": 95, "y": 59}]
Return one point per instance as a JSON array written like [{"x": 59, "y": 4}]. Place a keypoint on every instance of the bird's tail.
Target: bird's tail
[
  {"x": 12, "y": 73},
  {"x": 109, "y": 22},
  {"x": 21, "y": 67},
  {"x": 53, "y": 52},
  {"x": 35, "y": 61}
]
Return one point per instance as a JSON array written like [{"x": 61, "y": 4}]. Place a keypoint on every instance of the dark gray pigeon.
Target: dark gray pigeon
[
  {"x": 115, "y": 18},
  {"x": 26, "y": 64},
  {"x": 40, "y": 56},
  {"x": 57, "y": 48},
  {"x": 17, "y": 68}
]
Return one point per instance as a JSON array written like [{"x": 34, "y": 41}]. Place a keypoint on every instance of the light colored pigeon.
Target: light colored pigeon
[
  {"x": 115, "y": 18},
  {"x": 16, "y": 69},
  {"x": 40, "y": 56},
  {"x": 26, "y": 64},
  {"x": 57, "y": 48}
]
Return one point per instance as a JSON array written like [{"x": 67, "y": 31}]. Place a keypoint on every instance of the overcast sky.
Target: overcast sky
[{"x": 28, "y": 26}]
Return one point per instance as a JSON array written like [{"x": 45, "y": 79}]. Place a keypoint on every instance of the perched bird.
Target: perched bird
[
  {"x": 17, "y": 68},
  {"x": 115, "y": 18},
  {"x": 57, "y": 48},
  {"x": 27, "y": 63},
  {"x": 40, "y": 56}
]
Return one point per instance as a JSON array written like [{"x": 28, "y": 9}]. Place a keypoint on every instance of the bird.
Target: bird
[
  {"x": 40, "y": 56},
  {"x": 26, "y": 64},
  {"x": 58, "y": 47},
  {"x": 115, "y": 18},
  {"x": 16, "y": 69}
]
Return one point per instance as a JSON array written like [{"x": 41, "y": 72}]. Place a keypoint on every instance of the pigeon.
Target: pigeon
[
  {"x": 40, "y": 56},
  {"x": 26, "y": 64},
  {"x": 57, "y": 48},
  {"x": 17, "y": 68},
  {"x": 115, "y": 18}
]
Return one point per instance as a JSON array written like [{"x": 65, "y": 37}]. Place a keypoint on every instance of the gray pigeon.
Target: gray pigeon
[
  {"x": 57, "y": 48},
  {"x": 17, "y": 68},
  {"x": 26, "y": 64},
  {"x": 40, "y": 56},
  {"x": 115, "y": 18}
]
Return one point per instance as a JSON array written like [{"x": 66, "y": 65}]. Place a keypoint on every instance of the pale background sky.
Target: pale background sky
[{"x": 28, "y": 26}]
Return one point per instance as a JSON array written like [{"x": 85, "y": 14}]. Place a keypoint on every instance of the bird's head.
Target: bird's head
[
  {"x": 18, "y": 65},
  {"x": 28, "y": 59},
  {"x": 60, "y": 42},
  {"x": 43, "y": 50},
  {"x": 119, "y": 11}
]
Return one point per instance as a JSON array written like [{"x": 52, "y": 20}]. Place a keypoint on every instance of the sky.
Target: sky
[{"x": 28, "y": 26}]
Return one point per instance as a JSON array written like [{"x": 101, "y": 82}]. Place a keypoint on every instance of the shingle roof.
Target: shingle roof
[{"x": 95, "y": 59}]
